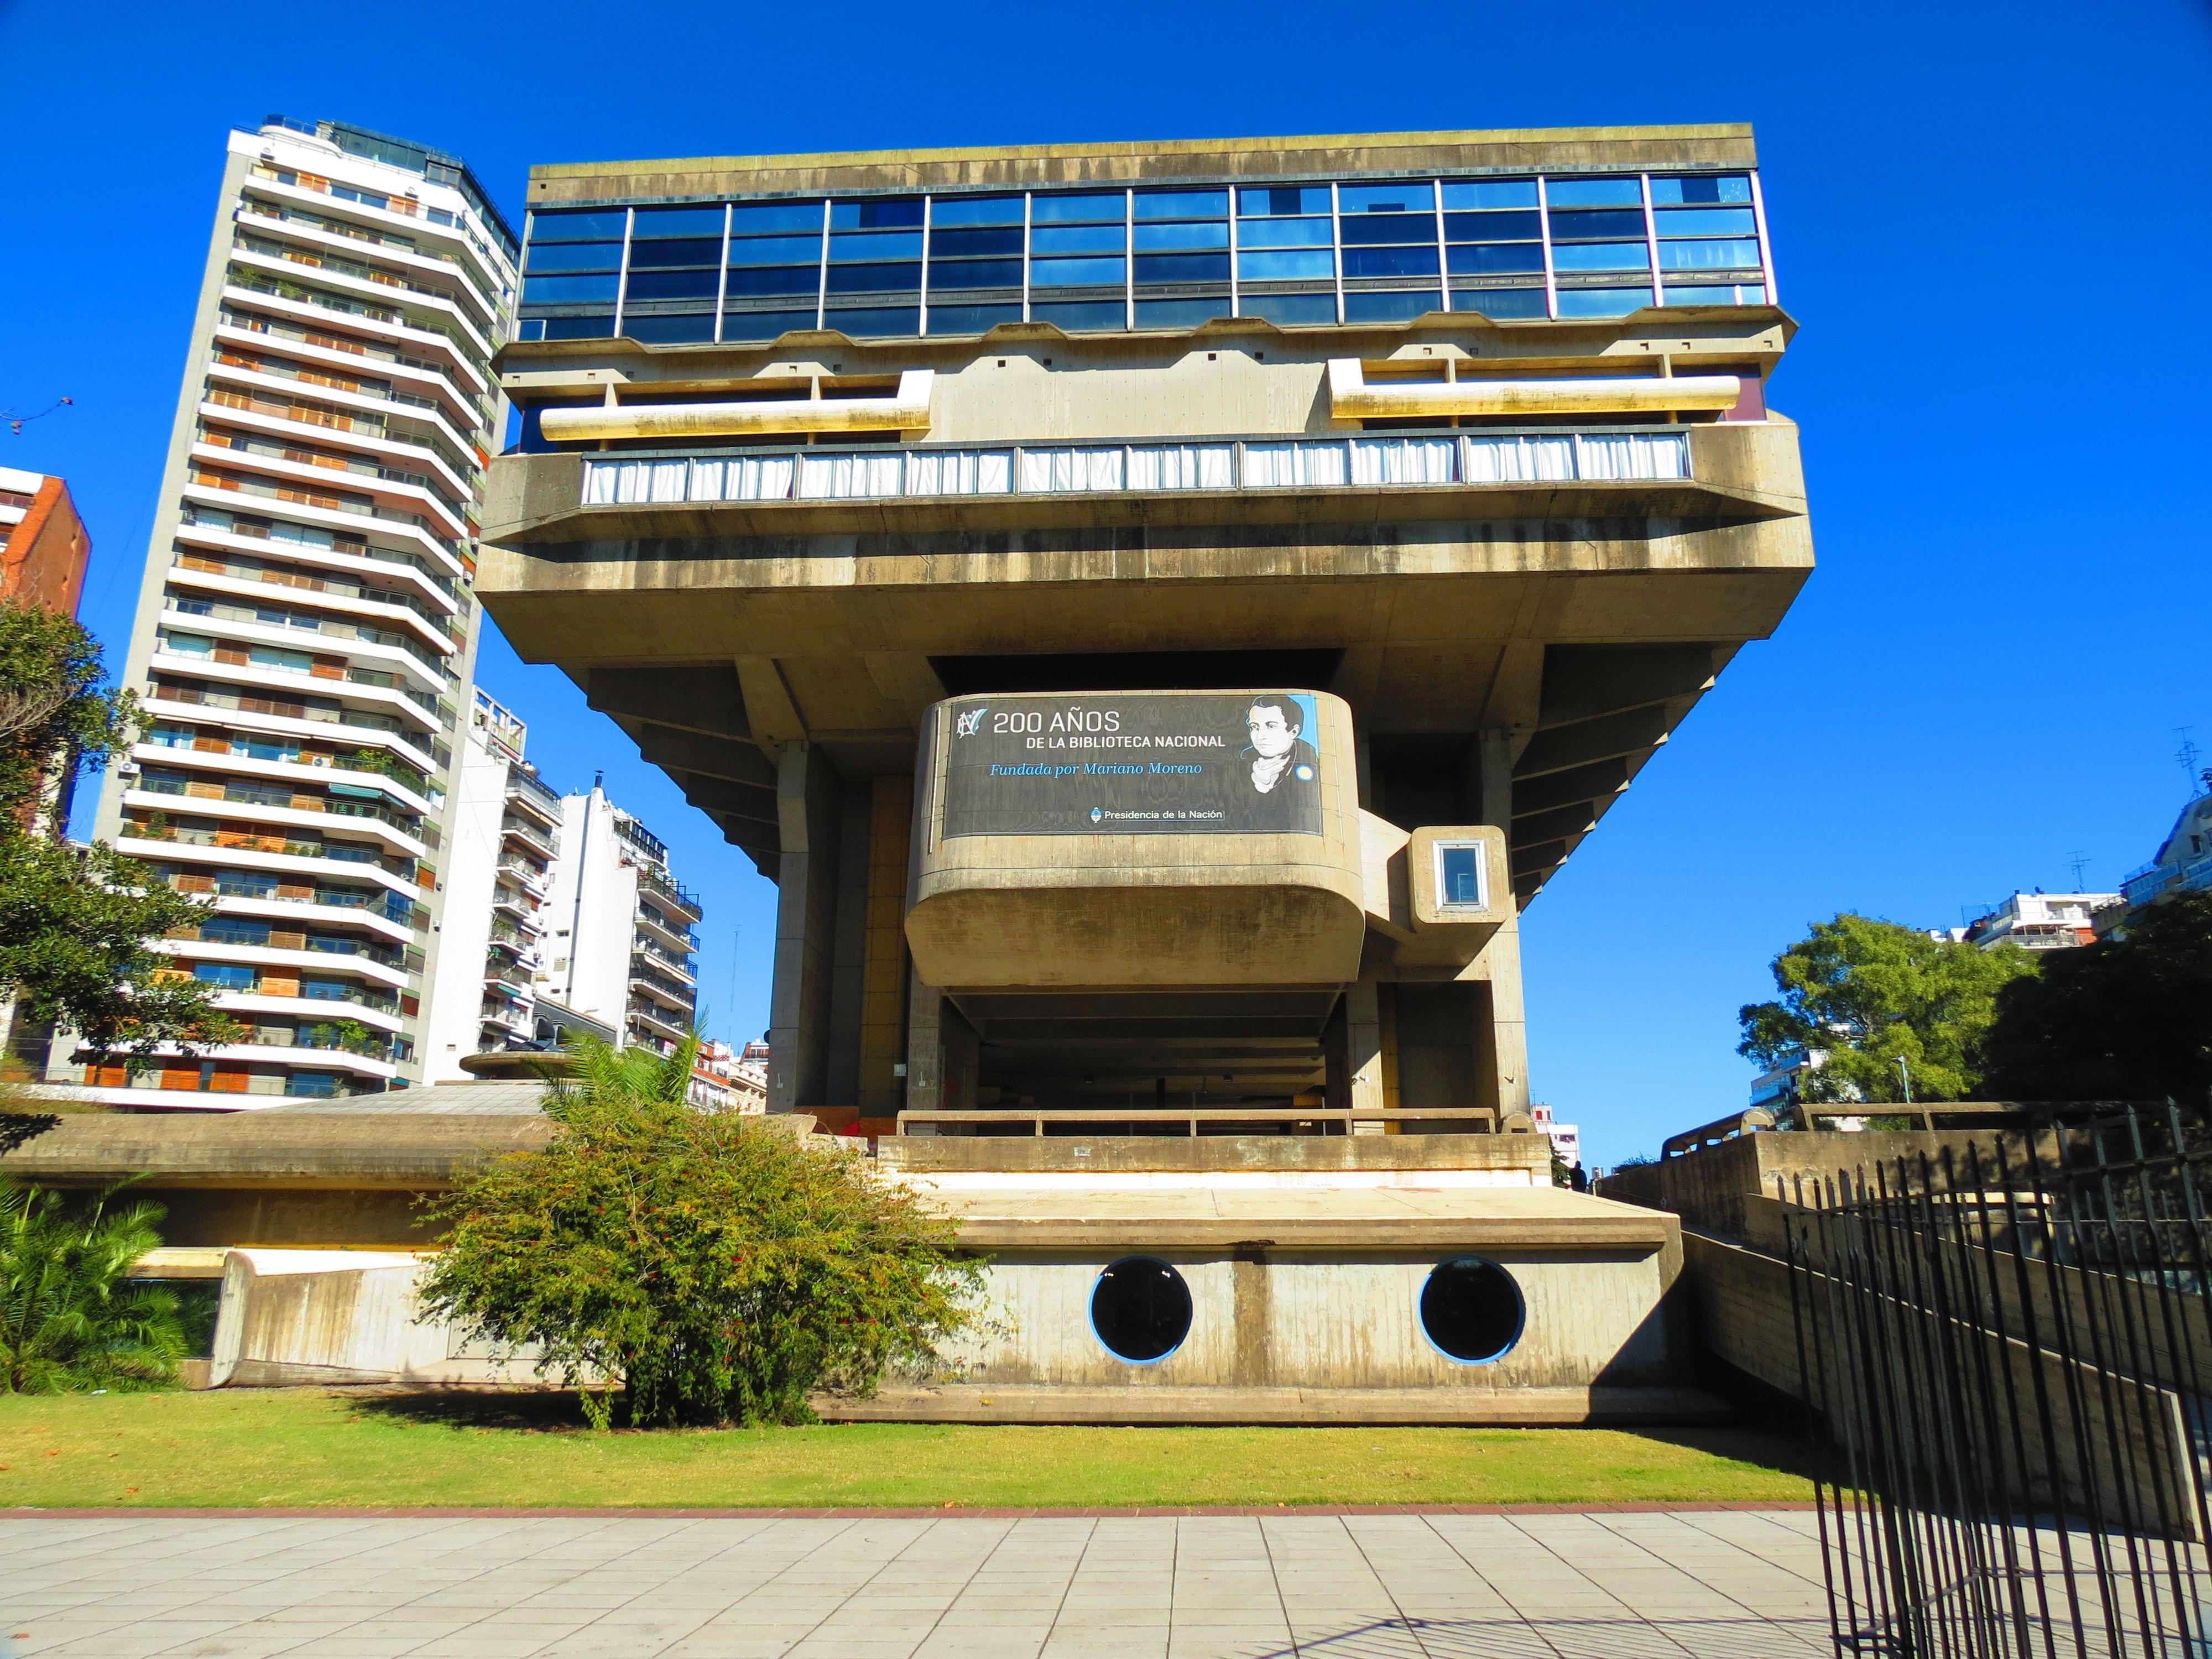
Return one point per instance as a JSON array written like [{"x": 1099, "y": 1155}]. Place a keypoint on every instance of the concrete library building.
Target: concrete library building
[{"x": 1161, "y": 613}]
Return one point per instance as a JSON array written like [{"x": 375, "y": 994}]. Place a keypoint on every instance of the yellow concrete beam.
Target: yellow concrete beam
[
  {"x": 1351, "y": 398},
  {"x": 905, "y": 411}
]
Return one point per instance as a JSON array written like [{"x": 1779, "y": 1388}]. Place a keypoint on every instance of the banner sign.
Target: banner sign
[{"x": 1165, "y": 763}]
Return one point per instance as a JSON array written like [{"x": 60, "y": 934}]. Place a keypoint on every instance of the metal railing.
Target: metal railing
[{"x": 1319, "y": 1120}]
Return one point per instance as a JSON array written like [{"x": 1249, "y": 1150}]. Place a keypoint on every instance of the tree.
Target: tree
[
  {"x": 2124, "y": 1019},
  {"x": 716, "y": 1266},
  {"x": 69, "y": 1318},
  {"x": 75, "y": 922},
  {"x": 1867, "y": 993}
]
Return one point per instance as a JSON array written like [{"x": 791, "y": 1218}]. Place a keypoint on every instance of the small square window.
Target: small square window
[{"x": 1459, "y": 876}]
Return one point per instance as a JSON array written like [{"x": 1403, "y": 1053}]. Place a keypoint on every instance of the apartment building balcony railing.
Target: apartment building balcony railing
[
  {"x": 220, "y": 525},
  {"x": 307, "y": 339},
  {"x": 644, "y": 945},
  {"x": 407, "y": 823},
  {"x": 532, "y": 879},
  {"x": 421, "y": 270},
  {"x": 2154, "y": 880},
  {"x": 287, "y": 460},
  {"x": 669, "y": 891},
  {"x": 376, "y": 403},
  {"x": 355, "y": 720},
  {"x": 504, "y": 974},
  {"x": 644, "y": 978},
  {"x": 260, "y": 620},
  {"x": 224, "y": 660},
  {"x": 459, "y": 476},
  {"x": 221, "y": 750},
  {"x": 276, "y": 290},
  {"x": 260, "y": 888},
  {"x": 532, "y": 794},
  {"x": 507, "y": 1018},
  {"x": 530, "y": 836},
  {"x": 655, "y": 1023},
  {"x": 246, "y": 840},
  {"x": 1451, "y": 458},
  {"x": 376, "y": 295},
  {"x": 210, "y": 477},
  {"x": 326, "y": 589},
  {"x": 291, "y": 180}
]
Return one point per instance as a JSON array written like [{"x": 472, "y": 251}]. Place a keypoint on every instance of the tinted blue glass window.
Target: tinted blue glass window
[
  {"x": 1493, "y": 227},
  {"x": 1390, "y": 261},
  {"x": 900, "y": 244},
  {"x": 894, "y": 215},
  {"x": 1182, "y": 268},
  {"x": 1491, "y": 193},
  {"x": 235, "y": 930},
  {"x": 1717, "y": 188},
  {"x": 784, "y": 279},
  {"x": 548, "y": 257},
  {"x": 1707, "y": 221},
  {"x": 1602, "y": 256},
  {"x": 763, "y": 324},
  {"x": 1286, "y": 233},
  {"x": 1391, "y": 308},
  {"x": 1505, "y": 302},
  {"x": 975, "y": 210},
  {"x": 671, "y": 284},
  {"x": 1183, "y": 204},
  {"x": 1593, "y": 192},
  {"x": 228, "y": 975},
  {"x": 1076, "y": 273},
  {"x": 679, "y": 221},
  {"x": 1483, "y": 259},
  {"x": 1709, "y": 255},
  {"x": 975, "y": 273},
  {"x": 689, "y": 251},
  {"x": 971, "y": 319},
  {"x": 1289, "y": 309},
  {"x": 1077, "y": 239},
  {"x": 1573, "y": 227},
  {"x": 947, "y": 244},
  {"x": 1088, "y": 210},
  {"x": 1702, "y": 294},
  {"x": 770, "y": 217},
  {"x": 317, "y": 1085},
  {"x": 776, "y": 250},
  {"x": 1081, "y": 317},
  {"x": 1301, "y": 265},
  {"x": 1391, "y": 228},
  {"x": 890, "y": 319},
  {"x": 670, "y": 331},
  {"x": 873, "y": 279},
  {"x": 1603, "y": 302},
  {"x": 567, "y": 290},
  {"x": 1411, "y": 197},
  {"x": 598, "y": 227},
  {"x": 1166, "y": 237},
  {"x": 1277, "y": 200},
  {"x": 1180, "y": 313}
]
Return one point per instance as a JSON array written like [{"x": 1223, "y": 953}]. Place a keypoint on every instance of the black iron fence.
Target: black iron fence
[{"x": 2007, "y": 1349}]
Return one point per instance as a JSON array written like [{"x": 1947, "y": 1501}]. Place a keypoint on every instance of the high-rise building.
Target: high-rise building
[
  {"x": 42, "y": 545},
  {"x": 503, "y": 835},
  {"x": 617, "y": 942},
  {"x": 306, "y": 633}
]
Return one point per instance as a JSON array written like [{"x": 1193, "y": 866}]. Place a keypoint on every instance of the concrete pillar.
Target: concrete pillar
[
  {"x": 885, "y": 971},
  {"x": 806, "y": 926},
  {"x": 924, "y": 1047},
  {"x": 1503, "y": 1059},
  {"x": 1363, "y": 1052}
]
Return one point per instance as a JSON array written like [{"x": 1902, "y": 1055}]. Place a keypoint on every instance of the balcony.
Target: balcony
[
  {"x": 530, "y": 837},
  {"x": 1441, "y": 459},
  {"x": 665, "y": 890},
  {"x": 314, "y": 345},
  {"x": 241, "y": 576},
  {"x": 2155, "y": 880}
]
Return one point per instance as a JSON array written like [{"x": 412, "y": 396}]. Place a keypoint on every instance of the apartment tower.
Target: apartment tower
[{"x": 306, "y": 632}]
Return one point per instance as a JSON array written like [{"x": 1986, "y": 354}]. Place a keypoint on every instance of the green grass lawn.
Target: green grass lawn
[{"x": 312, "y": 1446}]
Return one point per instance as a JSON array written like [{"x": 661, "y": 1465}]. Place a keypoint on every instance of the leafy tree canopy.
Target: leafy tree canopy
[
  {"x": 2124, "y": 1019},
  {"x": 1866, "y": 993},
  {"x": 69, "y": 1318},
  {"x": 75, "y": 922},
  {"x": 718, "y": 1267}
]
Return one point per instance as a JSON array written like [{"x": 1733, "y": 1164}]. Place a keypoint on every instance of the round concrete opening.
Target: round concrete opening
[
  {"x": 1140, "y": 1309},
  {"x": 1472, "y": 1310}
]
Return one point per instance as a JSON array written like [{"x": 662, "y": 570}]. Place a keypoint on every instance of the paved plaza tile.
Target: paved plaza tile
[{"x": 1682, "y": 1584}]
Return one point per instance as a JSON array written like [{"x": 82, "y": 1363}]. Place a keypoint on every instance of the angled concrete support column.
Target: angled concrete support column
[
  {"x": 1362, "y": 1085},
  {"x": 925, "y": 1048},
  {"x": 1502, "y": 1061},
  {"x": 807, "y": 791}
]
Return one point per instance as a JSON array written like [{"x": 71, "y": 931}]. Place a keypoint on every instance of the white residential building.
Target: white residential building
[
  {"x": 304, "y": 635},
  {"x": 1566, "y": 1138},
  {"x": 2040, "y": 922},
  {"x": 504, "y": 834},
  {"x": 618, "y": 943},
  {"x": 724, "y": 1081}
]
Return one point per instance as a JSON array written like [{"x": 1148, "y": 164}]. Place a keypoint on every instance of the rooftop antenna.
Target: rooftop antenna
[
  {"x": 2188, "y": 755},
  {"x": 2080, "y": 860}
]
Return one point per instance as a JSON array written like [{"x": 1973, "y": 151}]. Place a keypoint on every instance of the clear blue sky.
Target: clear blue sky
[{"x": 1991, "y": 222}]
